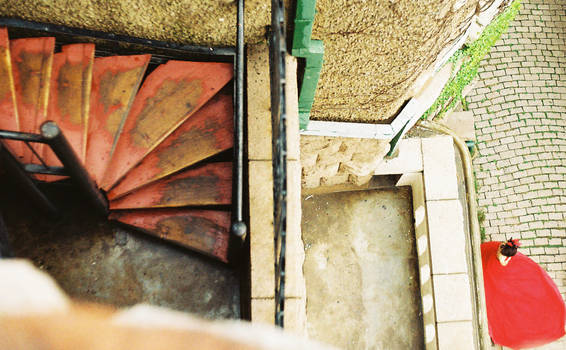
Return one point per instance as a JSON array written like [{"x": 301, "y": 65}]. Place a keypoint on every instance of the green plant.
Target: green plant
[
  {"x": 481, "y": 216},
  {"x": 472, "y": 55}
]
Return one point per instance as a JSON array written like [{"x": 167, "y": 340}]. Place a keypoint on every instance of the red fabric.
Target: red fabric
[{"x": 524, "y": 306}]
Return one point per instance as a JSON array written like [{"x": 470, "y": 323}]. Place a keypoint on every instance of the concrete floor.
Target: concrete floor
[
  {"x": 361, "y": 269},
  {"x": 96, "y": 260}
]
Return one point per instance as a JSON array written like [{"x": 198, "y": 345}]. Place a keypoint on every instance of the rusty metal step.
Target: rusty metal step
[
  {"x": 31, "y": 65},
  {"x": 8, "y": 110},
  {"x": 168, "y": 96},
  {"x": 69, "y": 97},
  {"x": 205, "y": 231},
  {"x": 208, "y": 132},
  {"x": 115, "y": 82},
  {"x": 208, "y": 184}
]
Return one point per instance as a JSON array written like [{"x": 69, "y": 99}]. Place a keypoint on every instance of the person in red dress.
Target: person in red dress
[{"x": 524, "y": 306}]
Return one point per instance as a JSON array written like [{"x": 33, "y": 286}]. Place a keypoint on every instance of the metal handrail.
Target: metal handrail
[
  {"x": 53, "y": 137},
  {"x": 239, "y": 227},
  {"x": 277, "y": 52}
]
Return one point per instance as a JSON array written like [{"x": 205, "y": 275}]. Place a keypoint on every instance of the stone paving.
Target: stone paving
[{"x": 519, "y": 107}]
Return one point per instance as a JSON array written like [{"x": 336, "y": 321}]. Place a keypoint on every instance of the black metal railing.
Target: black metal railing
[
  {"x": 277, "y": 52},
  {"x": 52, "y": 136},
  {"x": 239, "y": 227}
]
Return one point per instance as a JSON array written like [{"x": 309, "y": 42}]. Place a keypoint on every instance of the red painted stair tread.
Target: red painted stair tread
[
  {"x": 8, "y": 110},
  {"x": 209, "y": 184},
  {"x": 69, "y": 98},
  {"x": 168, "y": 96},
  {"x": 115, "y": 82},
  {"x": 208, "y": 132},
  {"x": 31, "y": 66},
  {"x": 205, "y": 231}
]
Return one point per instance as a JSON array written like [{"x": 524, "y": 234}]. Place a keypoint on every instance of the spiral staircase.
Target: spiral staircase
[{"x": 154, "y": 142}]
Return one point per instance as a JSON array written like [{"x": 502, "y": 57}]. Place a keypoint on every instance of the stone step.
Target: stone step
[{"x": 462, "y": 123}]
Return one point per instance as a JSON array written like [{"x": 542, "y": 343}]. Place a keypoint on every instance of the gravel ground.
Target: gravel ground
[
  {"x": 204, "y": 22},
  {"x": 374, "y": 50}
]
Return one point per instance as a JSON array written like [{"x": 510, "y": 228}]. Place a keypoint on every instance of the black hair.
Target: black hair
[{"x": 509, "y": 248}]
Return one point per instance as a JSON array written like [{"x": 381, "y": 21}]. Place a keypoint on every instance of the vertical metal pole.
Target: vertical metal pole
[
  {"x": 278, "y": 52},
  {"x": 62, "y": 149},
  {"x": 14, "y": 168},
  {"x": 239, "y": 228}
]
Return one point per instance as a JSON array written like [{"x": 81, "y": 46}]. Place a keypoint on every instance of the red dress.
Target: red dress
[{"x": 524, "y": 306}]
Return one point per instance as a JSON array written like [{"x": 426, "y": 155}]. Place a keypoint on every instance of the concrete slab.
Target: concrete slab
[
  {"x": 452, "y": 298},
  {"x": 409, "y": 160},
  {"x": 361, "y": 270},
  {"x": 296, "y": 316},
  {"x": 439, "y": 168},
  {"x": 261, "y": 229},
  {"x": 456, "y": 336},
  {"x": 259, "y": 103},
  {"x": 462, "y": 123},
  {"x": 263, "y": 310},
  {"x": 447, "y": 236},
  {"x": 415, "y": 180},
  {"x": 295, "y": 282}
]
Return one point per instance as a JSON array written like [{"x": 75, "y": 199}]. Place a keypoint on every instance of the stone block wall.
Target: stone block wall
[{"x": 328, "y": 161}]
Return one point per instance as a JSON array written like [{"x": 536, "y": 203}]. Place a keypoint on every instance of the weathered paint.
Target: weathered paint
[
  {"x": 8, "y": 111},
  {"x": 168, "y": 96},
  {"x": 205, "y": 231},
  {"x": 115, "y": 82},
  {"x": 209, "y": 184},
  {"x": 209, "y": 131},
  {"x": 69, "y": 98},
  {"x": 31, "y": 66}
]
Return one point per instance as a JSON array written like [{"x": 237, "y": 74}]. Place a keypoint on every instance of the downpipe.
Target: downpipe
[{"x": 474, "y": 251}]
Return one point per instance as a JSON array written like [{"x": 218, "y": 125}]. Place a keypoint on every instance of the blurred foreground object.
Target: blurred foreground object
[{"x": 36, "y": 314}]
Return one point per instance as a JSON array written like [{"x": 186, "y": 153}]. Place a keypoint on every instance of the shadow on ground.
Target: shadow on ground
[{"x": 98, "y": 261}]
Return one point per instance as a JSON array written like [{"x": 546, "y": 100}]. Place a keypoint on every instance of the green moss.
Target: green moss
[{"x": 472, "y": 55}]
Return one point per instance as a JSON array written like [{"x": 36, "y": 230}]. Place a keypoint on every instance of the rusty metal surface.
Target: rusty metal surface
[
  {"x": 95, "y": 260},
  {"x": 8, "y": 111},
  {"x": 205, "y": 231},
  {"x": 168, "y": 96},
  {"x": 209, "y": 184},
  {"x": 69, "y": 96},
  {"x": 115, "y": 82},
  {"x": 31, "y": 66},
  {"x": 208, "y": 132}
]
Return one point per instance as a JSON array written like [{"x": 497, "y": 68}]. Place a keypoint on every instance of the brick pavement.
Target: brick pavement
[{"x": 519, "y": 107}]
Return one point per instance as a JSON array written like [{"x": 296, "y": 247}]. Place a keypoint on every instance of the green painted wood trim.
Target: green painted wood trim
[{"x": 312, "y": 51}]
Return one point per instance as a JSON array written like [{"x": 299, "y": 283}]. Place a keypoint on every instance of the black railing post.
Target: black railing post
[
  {"x": 239, "y": 228},
  {"x": 277, "y": 53},
  {"x": 16, "y": 171},
  {"x": 63, "y": 150}
]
